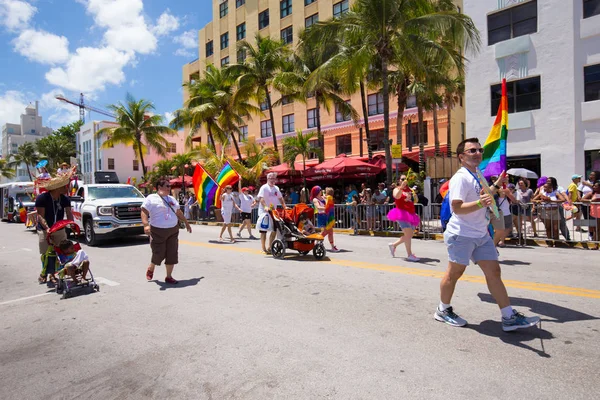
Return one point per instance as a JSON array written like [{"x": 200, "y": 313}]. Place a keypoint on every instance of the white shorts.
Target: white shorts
[
  {"x": 226, "y": 214},
  {"x": 264, "y": 223}
]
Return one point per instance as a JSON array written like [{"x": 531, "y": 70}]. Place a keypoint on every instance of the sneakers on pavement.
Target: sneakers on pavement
[
  {"x": 170, "y": 280},
  {"x": 252, "y": 237},
  {"x": 239, "y": 234},
  {"x": 392, "y": 250},
  {"x": 449, "y": 316},
  {"x": 334, "y": 249},
  {"x": 149, "y": 274},
  {"x": 518, "y": 321},
  {"x": 413, "y": 258}
]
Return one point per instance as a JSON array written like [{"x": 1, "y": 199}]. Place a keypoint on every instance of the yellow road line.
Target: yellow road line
[{"x": 539, "y": 287}]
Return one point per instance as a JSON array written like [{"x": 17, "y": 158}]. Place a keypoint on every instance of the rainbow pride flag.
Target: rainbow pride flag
[
  {"x": 330, "y": 212},
  {"x": 227, "y": 176},
  {"x": 205, "y": 188},
  {"x": 494, "y": 155}
]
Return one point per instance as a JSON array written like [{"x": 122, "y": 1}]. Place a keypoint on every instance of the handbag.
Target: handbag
[{"x": 180, "y": 223}]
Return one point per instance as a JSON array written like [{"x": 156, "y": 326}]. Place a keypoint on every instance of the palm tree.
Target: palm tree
[
  {"x": 56, "y": 149},
  {"x": 299, "y": 145},
  {"x": 137, "y": 128},
  {"x": 182, "y": 162},
  {"x": 453, "y": 89},
  {"x": 257, "y": 159},
  {"x": 5, "y": 170},
  {"x": 264, "y": 60},
  {"x": 398, "y": 32},
  {"x": 26, "y": 154}
]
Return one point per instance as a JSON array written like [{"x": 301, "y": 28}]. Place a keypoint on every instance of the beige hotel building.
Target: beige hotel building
[{"x": 235, "y": 20}]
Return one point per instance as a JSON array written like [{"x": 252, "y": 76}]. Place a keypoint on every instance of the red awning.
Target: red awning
[
  {"x": 342, "y": 166},
  {"x": 176, "y": 182}
]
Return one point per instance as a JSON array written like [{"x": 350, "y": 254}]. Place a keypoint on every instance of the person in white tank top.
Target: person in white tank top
[
  {"x": 247, "y": 202},
  {"x": 227, "y": 206}
]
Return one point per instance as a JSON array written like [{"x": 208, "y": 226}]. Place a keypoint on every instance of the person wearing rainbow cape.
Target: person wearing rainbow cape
[
  {"x": 325, "y": 212},
  {"x": 404, "y": 213},
  {"x": 467, "y": 239}
]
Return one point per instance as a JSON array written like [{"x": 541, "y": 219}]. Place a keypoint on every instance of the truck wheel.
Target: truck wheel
[{"x": 90, "y": 235}]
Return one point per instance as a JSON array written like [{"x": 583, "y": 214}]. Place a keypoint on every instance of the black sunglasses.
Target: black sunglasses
[{"x": 473, "y": 151}]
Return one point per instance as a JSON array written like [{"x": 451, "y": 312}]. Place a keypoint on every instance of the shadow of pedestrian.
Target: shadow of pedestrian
[
  {"x": 128, "y": 241},
  {"x": 226, "y": 241},
  {"x": 514, "y": 262},
  {"x": 555, "y": 312},
  {"x": 425, "y": 260},
  {"x": 180, "y": 284},
  {"x": 515, "y": 338}
]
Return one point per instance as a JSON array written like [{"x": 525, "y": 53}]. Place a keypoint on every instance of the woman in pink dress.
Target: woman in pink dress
[{"x": 404, "y": 214}]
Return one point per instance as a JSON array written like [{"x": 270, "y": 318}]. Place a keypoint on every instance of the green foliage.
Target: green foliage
[
  {"x": 5, "y": 170},
  {"x": 68, "y": 131},
  {"x": 56, "y": 149},
  {"x": 27, "y": 154}
]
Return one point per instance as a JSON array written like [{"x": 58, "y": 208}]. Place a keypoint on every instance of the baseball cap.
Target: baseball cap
[
  {"x": 576, "y": 176},
  {"x": 244, "y": 189}
]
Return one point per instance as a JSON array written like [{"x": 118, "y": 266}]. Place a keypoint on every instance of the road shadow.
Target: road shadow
[
  {"x": 127, "y": 241},
  {"x": 344, "y": 251},
  {"x": 226, "y": 241},
  {"x": 424, "y": 260},
  {"x": 516, "y": 338},
  {"x": 514, "y": 262},
  {"x": 181, "y": 284},
  {"x": 555, "y": 313},
  {"x": 305, "y": 258}
]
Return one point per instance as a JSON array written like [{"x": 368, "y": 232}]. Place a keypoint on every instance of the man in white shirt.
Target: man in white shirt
[
  {"x": 268, "y": 196},
  {"x": 467, "y": 238}
]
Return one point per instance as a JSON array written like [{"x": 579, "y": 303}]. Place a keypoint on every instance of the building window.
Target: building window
[
  {"x": 309, "y": 21},
  {"x": 172, "y": 147},
  {"x": 241, "y": 56},
  {"x": 287, "y": 35},
  {"x": 224, "y": 61},
  {"x": 340, "y": 8},
  {"x": 209, "y": 49},
  {"x": 313, "y": 144},
  {"x": 239, "y": 3},
  {"x": 223, "y": 8},
  {"x": 263, "y": 19},
  {"x": 286, "y": 100},
  {"x": 375, "y": 102},
  {"x": 111, "y": 163},
  {"x": 591, "y": 77},
  {"x": 513, "y": 22},
  {"x": 264, "y": 106},
  {"x": 412, "y": 134},
  {"x": 224, "y": 40},
  {"x": 136, "y": 165},
  {"x": 243, "y": 134},
  {"x": 343, "y": 144},
  {"x": 523, "y": 95},
  {"x": 591, "y": 8},
  {"x": 285, "y": 8},
  {"x": 340, "y": 116},
  {"x": 265, "y": 128},
  {"x": 240, "y": 31},
  {"x": 288, "y": 123},
  {"x": 311, "y": 118},
  {"x": 376, "y": 139},
  {"x": 307, "y": 2}
]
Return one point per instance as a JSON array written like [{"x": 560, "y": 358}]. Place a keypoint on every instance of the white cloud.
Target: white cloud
[
  {"x": 166, "y": 24},
  {"x": 133, "y": 82},
  {"x": 12, "y": 105},
  {"x": 57, "y": 113},
  {"x": 184, "y": 53},
  {"x": 126, "y": 28},
  {"x": 169, "y": 117},
  {"x": 42, "y": 47},
  {"x": 188, "y": 39},
  {"x": 16, "y": 14},
  {"x": 90, "y": 69}
]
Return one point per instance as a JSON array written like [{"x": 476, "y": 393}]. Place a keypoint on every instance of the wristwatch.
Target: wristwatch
[{"x": 496, "y": 186}]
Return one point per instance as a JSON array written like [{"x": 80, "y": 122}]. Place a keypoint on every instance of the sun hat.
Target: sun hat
[
  {"x": 576, "y": 176},
  {"x": 57, "y": 182}
]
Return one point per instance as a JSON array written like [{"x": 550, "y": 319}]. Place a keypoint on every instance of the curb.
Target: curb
[{"x": 440, "y": 237}]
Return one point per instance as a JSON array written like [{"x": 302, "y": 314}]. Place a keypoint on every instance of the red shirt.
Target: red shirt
[{"x": 403, "y": 203}]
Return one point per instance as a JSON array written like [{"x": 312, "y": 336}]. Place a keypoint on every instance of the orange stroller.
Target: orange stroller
[{"x": 289, "y": 237}]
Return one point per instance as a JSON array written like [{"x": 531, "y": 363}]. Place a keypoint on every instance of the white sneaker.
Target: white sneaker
[
  {"x": 413, "y": 258},
  {"x": 392, "y": 250}
]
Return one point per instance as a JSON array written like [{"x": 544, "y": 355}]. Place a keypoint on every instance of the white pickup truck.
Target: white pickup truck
[{"x": 107, "y": 210}]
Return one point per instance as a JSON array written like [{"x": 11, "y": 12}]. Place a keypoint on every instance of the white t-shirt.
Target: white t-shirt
[
  {"x": 464, "y": 186},
  {"x": 227, "y": 202},
  {"x": 161, "y": 215},
  {"x": 272, "y": 196},
  {"x": 246, "y": 202},
  {"x": 584, "y": 189},
  {"x": 504, "y": 205}
]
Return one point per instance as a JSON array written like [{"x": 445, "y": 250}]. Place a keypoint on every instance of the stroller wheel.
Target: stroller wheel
[
  {"x": 278, "y": 249},
  {"x": 97, "y": 287},
  {"x": 319, "y": 251}
]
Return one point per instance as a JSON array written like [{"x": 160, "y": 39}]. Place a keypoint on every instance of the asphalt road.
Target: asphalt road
[{"x": 242, "y": 325}]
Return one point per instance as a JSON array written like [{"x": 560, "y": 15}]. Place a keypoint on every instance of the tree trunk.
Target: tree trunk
[
  {"x": 138, "y": 139},
  {"x": 363, "y": 98},
  {"x": 211, "y": 138},
  {"x": 28, "y": 172},
  {"x": 237, "y": 148},
  {"x": 272, "y": 123},
  {"x": 319, "y": 133},
  {"x": 436, "y": 132},
  {"x": 386, "y": 121},
  {"x": 421, "y": 136},
  {"x": 304, "y": 178},
  {"x": 449, "y": 130}
]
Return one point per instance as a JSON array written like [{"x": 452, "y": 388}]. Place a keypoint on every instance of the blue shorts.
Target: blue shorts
[
  {"x": 461, "y": 249},
  {"x": 321, "y": 220},
  {"x": 405, "y": 225}
]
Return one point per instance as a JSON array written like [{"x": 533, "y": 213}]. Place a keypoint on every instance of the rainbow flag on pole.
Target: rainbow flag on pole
[
  {"x": 227, "y": 176},
  {"x": 494, "y": 155},
  {"x": 205, "y": 188}
]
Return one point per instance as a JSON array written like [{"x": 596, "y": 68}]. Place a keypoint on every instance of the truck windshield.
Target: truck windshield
[
  {"x": 23, "y": 197},
  {"x": 111, "y": 192}
]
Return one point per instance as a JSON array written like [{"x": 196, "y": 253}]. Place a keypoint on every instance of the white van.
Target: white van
[{"x": 12, "y": 194}]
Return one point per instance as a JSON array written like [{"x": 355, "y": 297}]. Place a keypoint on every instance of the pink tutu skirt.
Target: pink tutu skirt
[{"x": 399, "y": 215}]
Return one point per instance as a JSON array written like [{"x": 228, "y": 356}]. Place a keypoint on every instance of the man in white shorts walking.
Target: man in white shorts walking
[
  {"x": 268, "y": 196},
  {"x": 467, "y": 239}
]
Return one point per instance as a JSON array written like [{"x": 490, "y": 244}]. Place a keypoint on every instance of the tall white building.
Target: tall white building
[
  {"x": 549, "y": 53},
  {"x": 29, "y": 129},
  {"x": 120, "y": 158}
]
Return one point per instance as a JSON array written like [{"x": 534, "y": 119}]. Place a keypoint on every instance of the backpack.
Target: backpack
[{"x": 445, "y": 212}]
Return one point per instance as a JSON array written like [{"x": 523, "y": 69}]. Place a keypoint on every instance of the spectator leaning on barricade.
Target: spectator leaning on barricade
[
  {"x": 585, "y": 187},
  {"x": 562, "y": 196},
  {"x": 549, "y": 200},
  {"x": 575, "y": 197},
  {"x": 380, "y": 199},
  {"x": 524, "y": 196},
  {"x": 593, "y": 198}
]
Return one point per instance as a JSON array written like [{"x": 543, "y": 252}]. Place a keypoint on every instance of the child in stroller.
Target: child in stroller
[
  {"x": 76, "y": 262},
  {"x": 289, "y": 236}
]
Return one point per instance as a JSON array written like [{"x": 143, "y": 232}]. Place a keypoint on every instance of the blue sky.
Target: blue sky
[{"x": 103, "y": 48}]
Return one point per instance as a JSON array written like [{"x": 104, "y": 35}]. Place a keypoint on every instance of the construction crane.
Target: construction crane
[{"x": 82, "y": 107}]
